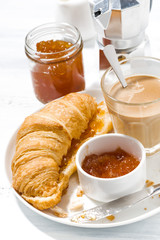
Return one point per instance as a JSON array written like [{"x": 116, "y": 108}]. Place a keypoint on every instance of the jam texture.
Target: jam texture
[{"x": 110, "y": 164}]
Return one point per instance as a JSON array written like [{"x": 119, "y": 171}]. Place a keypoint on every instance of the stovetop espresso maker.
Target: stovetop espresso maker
[{"x": 120, "y": 22}]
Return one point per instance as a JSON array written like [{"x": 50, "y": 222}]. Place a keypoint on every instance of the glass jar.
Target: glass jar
[{"x": 59, "y": 72}]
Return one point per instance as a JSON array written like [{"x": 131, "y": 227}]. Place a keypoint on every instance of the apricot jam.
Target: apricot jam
[
  {"x": 110, "y": 164},
  {"x": 56, "y": 64}
]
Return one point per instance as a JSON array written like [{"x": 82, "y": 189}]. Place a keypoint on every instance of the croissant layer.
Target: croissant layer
[{"x": 42, "y": 141}]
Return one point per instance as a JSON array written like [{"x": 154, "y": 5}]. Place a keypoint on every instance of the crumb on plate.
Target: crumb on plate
[
  {"x": 110, "y": 217},
  {"x": 59, "y": 212},
  {"x": 80, "y": 191},
  {"x": 76, "y": 204},
  {"x": 149, "y": 183}
]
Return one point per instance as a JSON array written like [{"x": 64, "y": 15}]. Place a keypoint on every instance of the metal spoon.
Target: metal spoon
[{"x": 110, "y": 54}]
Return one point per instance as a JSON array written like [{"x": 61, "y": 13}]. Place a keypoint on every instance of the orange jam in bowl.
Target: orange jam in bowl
[
  {"x": 55, "y": 55},
  {"x": 110, "y": 164}
]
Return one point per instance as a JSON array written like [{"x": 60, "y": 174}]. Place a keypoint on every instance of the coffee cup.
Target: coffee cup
[{"x": 135, "y": 110}]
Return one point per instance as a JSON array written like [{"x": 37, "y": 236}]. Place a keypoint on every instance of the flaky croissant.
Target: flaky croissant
[{"x": 41, "y": 167}]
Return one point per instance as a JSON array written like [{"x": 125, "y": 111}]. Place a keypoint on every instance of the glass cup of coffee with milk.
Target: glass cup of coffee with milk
[{"x": 135, "y": 110}]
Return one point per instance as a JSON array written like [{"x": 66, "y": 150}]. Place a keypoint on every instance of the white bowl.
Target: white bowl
[{"x": 108, "y": 189}]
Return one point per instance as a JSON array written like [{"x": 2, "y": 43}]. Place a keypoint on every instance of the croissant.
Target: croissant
[{"x": 44, "y": 159}]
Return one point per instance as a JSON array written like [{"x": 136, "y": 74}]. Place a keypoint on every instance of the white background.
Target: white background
[{"x": 17, "y": 100}]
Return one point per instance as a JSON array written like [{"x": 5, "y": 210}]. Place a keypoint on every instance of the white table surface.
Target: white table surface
[{"x": 17, "y": 100}]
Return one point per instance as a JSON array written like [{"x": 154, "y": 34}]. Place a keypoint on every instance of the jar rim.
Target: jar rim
[{"x": 30, "y": 51}]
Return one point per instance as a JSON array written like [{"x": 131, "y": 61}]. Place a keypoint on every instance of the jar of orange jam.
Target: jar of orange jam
[{"x": 54, "y": 51}]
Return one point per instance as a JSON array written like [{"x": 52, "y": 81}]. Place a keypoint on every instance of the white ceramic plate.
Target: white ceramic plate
[{"x": 139, "y": 212}]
